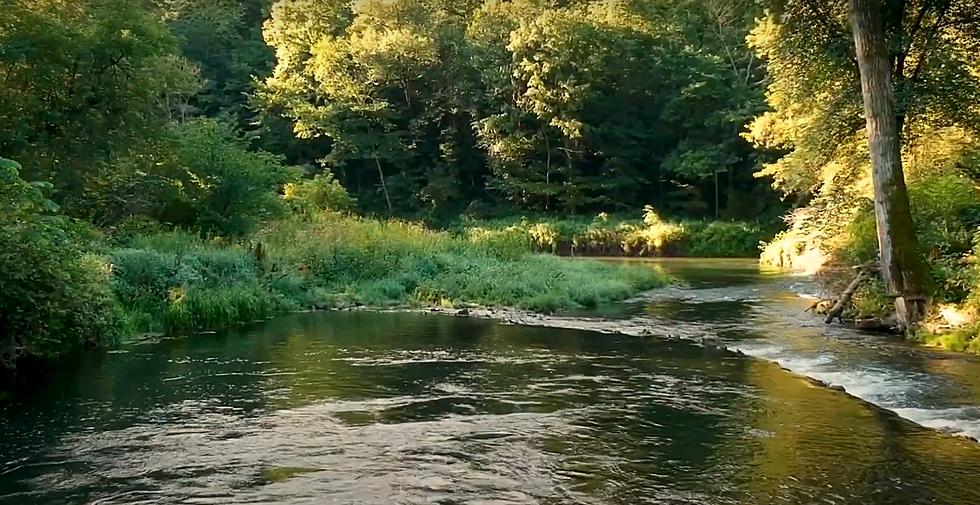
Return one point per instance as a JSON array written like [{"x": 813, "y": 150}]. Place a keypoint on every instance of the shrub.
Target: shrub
[
  {"x": 378, "y": 262},
  {"x": 178, "y": 282},
  {"x": 720, "y": 239},
  {"x": 945, "y": 210},
  {"x": 544, "y": 237},
  {"x": 320, "y": 193},
  {"x": 609, "y": 236},
  {"x": 223, "y": 187},
  {"x": 55, "y": 297},
  {"x": 653, "y": 239},
  {"x": 511, "y": 241}
]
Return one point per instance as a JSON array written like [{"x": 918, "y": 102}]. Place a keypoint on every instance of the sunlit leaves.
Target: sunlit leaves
[{"x": 814, "y": 90}]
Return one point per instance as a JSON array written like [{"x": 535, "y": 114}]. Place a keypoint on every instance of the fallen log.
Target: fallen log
[
  {"x": 884, "y": 324},
  {"x": 837, "y": 311}
]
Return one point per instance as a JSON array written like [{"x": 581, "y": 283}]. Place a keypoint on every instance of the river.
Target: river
[{"x": 363, "y": 407}]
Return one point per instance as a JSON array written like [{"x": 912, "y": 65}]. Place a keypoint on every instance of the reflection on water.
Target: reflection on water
[
  {"x": 761, "y": 313},
  {"x": 401, "y": 408}
]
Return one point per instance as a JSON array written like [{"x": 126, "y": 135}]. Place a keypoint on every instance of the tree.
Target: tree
[
  {"x": 816, "y": 126},
  {"x": 82, "y": 80},
  {"x": 606, "y": 103},
  {"x": 218, "y": 183},
  {"x": 542, "y": 104},
  {"x": 901, "y": 266},
  {"x": 387, "y": 83},
  {"x": 224, "y": 39}
]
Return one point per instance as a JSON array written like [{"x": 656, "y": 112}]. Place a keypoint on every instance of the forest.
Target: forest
[{"x": 178, "y": 165}]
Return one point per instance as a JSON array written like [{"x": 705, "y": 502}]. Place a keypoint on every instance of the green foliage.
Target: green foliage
[
  {"x": 616, "y": 236},
  {"x": 551, "y": 105},
  {"x": 719, "y": 239},
  {"x": 816, "y": 124},
  {"x": 965, "y": 339},
  {"x": 178, "y": 282},
  {"x": 54, "y": 297},
  {"x": 224, "y": 39},
  {"x": 870, "y": 299},
  {"x": 220, "y": 186},
  {"x": 320, "y": 193},
  {"x": 511, "y": 241},
  {"x": 379, "y": 262},
  {"x": 84, "y": 80},
  {"x": 946, "y": 211}
]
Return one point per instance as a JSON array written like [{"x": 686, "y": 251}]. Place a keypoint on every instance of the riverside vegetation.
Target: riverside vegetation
[
  {"x": 182, "y": 165},
  {"x": 68, "y": 286},
  {"x": 815, "y": 113},
  {"x": 603, "y": 235}
]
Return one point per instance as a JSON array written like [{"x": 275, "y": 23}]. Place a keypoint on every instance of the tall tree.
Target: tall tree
[
  {"x": 541, "y": 104},
  {"x": 815, "y": 121},
  {"x": 901, "y": 265}
]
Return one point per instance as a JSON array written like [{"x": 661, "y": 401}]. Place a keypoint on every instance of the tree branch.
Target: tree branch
[{"x": 936, "y": 28}]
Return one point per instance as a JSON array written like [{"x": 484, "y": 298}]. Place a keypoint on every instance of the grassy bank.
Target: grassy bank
[
  {"x": 177, "y": 282},
  {"x": 604, "y": 235}
]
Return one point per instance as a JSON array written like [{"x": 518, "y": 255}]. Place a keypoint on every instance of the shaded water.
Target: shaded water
[{"x": 407, "y": 408}]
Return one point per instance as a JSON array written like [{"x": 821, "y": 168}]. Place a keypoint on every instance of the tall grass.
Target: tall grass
[
  {"x": 388, "y": 262},
  {"x": 605, "y": 236},
  {"x": 176, "y": 282},
  {"x": 198, "y": 285}
]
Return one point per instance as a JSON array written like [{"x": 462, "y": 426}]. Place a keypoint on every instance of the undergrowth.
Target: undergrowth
[
  {"x": 177, "y": 282},
  {"x": 620, "y": 236},
  {"x": 946, "y": 214}
]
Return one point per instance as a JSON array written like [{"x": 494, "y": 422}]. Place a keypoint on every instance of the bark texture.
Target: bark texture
[{"x": 901, "y": 265}]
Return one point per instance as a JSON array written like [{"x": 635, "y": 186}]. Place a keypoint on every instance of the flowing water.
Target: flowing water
[{"x": 358, "y": 407}]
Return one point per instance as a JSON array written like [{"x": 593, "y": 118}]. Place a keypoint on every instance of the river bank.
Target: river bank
[
  {"x": 174, "y": 282},
  {"x": 712, "y": 285},
  {"x": 644, "y": 236}
]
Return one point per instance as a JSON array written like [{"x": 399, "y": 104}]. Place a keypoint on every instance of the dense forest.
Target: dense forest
[
  {"x": 172, "y": 165},
  {"x": 420, "y": 109}
]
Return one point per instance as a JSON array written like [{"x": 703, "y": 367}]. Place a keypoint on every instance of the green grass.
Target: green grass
[
  {"x": 620, "y": 236},
  {"x": 966, "y": 339},
  {"x": 175, "y": 282}
]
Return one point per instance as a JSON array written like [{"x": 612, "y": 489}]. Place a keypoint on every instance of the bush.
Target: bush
[
  {"x": 177, "y": 282},
  {"x": 223, "y": 187},
  {"x": 320, "y": 193},
  {"x": 720, "y": 239},
  {"x": 55, "y": 297},
  {"x": 945, "y": 209},
  {"x": 379, "y": 262},
  {"x": 511, "y": 241},
  {"x": 614, "y": 236}
]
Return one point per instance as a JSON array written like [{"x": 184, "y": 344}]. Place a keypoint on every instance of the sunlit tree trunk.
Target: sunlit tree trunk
[{"x": 901, "y": 265}]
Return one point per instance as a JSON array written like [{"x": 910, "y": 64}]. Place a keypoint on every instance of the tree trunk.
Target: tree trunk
[
  {"x": 901, "y": 265},
  {"x": 717, "y": 204},
  {"x": 384, "y": 186}
]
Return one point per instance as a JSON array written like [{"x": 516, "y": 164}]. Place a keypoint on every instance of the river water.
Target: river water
[{"x": 359, "y": 407}]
